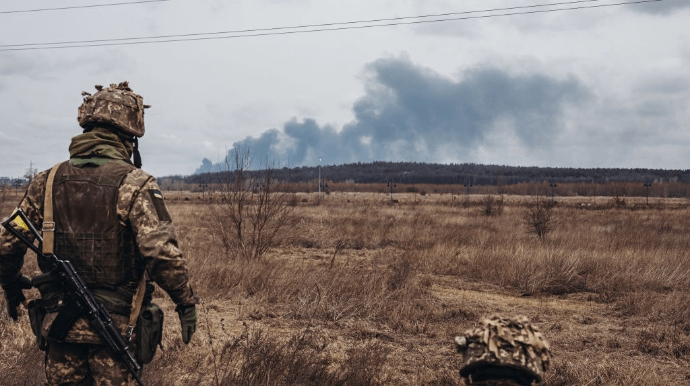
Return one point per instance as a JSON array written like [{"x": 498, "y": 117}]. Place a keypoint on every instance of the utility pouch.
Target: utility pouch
[
  {"x": 37, "y": 312},
  {"x": 149, "y": 332}
]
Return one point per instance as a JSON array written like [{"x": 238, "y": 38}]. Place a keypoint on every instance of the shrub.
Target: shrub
[
  {"x": 491, "y": 205},
  {"x": 254, "y": 213},
  {"x": 539, "y": 218}
]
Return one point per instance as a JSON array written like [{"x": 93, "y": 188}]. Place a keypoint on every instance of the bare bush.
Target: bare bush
[
  {"x": 487, "y": 205},
  {"x": 254, "y": 213},
  {"x": 499, "y": 205},
  {"x": 618, "y": 199},
  {"x": 492, "y": 206},
  {"x": 539, "y": 217}
]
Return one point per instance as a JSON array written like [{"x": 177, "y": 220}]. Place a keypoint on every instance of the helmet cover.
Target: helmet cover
[
  {"x": 504, "y": 342},
  {"x": 116, "y": 106}
]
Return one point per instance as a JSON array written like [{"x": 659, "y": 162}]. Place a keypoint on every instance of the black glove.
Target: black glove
[
  {"x": 187, "y": 314},
  {"x": 14, "y": 295}
]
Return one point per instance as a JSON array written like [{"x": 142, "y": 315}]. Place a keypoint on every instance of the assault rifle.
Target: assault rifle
[{"x": 63, "y": 271}]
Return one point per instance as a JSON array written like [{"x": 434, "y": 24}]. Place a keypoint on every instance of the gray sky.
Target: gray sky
[{"x": 604, "y": 87}]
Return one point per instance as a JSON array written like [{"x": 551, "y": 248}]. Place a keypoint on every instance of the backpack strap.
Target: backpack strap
[{"x": 48, "y": 223}]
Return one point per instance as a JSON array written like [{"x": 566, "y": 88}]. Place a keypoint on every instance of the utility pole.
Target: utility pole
[
  {"x": 553, "y": 186},
  {"x": 468, "y": 185},
  {"x": 391, "y": 185},
  {"x": 203, "y": 191},
  {"x": 647, "y": 184},
  {"x": 30, "y": 172},
  {"x": 324, "y": 186},
  {"x": 319, "y": 179}
]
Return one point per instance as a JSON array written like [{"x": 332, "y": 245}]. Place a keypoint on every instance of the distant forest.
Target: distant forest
[{"x": 447, "y": 174}]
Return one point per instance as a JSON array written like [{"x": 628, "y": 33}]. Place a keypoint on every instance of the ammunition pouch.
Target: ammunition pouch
[
  {"x": 37, "y": 313},
  {"x": 149, "y": 332}
]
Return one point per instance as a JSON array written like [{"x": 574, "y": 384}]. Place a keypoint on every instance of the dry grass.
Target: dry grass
[{"x": 373, "y": 293}]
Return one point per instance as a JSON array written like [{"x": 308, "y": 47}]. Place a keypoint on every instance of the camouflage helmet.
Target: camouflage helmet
[
  {"x": 116, "y": 106},
  {"x": 511, "y": 348}
]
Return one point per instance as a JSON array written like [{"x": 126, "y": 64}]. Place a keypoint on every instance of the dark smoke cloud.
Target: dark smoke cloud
[{"x": 411, "y": 113}]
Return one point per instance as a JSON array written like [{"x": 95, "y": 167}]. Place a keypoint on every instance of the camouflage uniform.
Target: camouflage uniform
[
  {"x": 503, "y": 352},
  {"x": 82, "y": 358},
  {"x": 79, "y": 364}
]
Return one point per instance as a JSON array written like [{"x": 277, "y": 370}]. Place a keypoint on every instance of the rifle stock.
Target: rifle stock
[{"x": 62, "y": 270}]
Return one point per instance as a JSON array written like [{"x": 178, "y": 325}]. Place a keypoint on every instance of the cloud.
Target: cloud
[
  {"x": 37, "y": 66},
  {"x": 410, "y": 112},
  {"x": 665, "y": 7},
  {"x": 109, "y": 61},
  {"x": 664, "y": 85},
  {"x": 12, "y": 64},
  {"x": 557, "y": 18}
]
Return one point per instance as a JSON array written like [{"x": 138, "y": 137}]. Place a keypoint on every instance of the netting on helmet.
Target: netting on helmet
[
  {"x": 116, "y": 106},
  {"x": 512, "y": 343}
]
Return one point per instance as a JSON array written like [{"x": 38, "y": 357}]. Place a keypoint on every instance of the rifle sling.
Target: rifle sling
[
  {"x": 65, "y": 319},
  {"x": 137, "y": 301}
]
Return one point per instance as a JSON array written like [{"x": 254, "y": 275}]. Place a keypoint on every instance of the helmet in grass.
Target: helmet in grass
[
  {"x": 116, "y": 106},
  {"x": 504, "y": 348}
]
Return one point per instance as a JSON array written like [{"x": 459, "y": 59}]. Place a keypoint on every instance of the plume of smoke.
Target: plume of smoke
[{"x": 412, "y": 113}]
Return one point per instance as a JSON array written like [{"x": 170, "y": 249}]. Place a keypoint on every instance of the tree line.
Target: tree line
[{"x": 454, "y": 174}]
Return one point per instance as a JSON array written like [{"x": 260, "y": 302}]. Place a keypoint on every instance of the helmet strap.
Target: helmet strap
[{"x": 135, "y": 153}]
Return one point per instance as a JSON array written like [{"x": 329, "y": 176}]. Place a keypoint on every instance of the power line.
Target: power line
[
  {"x": 82, "y": 6},
  {"x": 281, "y": 30},
  {"x": 296, "y": 26}
]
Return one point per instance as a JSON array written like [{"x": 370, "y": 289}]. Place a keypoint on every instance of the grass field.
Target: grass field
[{"x": 363, "y": 291}]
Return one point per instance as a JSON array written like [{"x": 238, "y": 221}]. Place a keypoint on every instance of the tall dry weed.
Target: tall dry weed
[
  {"x": 256, "y": 357},
  {"x": 20, "y": 360},
  {"x": 600, "y": 371},
  {"x": 384, "y": 289},
  {"x": 6, "y": 201}
]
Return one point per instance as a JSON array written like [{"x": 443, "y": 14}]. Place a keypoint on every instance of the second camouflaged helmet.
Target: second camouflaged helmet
[
  {"x": 116, "y": 106},
  {"x": 507, "y": 348}
]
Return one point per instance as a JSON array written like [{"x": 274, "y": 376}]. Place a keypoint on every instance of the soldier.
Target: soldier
[
  {"x": 503, "y": 352},
  {"x": 103, "y": 213}
]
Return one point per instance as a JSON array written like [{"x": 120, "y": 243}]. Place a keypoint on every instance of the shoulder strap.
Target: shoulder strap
[
  {"x": 48, "y": 223},
  {"x": 137, "y": 301}
]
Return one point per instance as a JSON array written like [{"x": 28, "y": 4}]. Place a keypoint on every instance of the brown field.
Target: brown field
[{"x": 362, "y": 291}]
